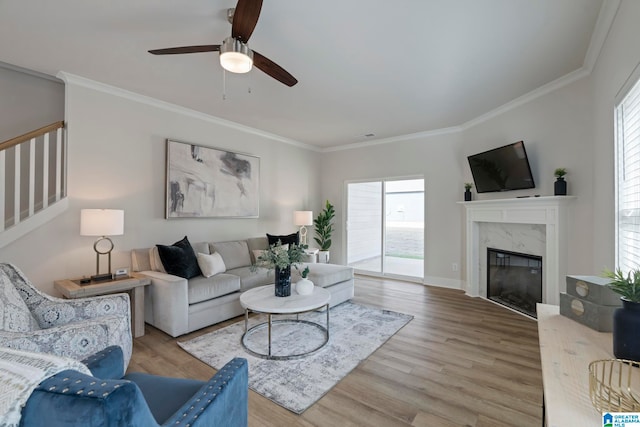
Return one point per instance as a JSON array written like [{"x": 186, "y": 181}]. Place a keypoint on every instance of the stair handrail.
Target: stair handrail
[{"x": 30, "y": 135}]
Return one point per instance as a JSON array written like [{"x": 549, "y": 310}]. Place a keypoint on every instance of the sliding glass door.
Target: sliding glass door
[{"x": 385, "y": 227}]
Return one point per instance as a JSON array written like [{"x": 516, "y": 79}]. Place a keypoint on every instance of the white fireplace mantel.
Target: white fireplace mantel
[{"x": 550, "y": 211}]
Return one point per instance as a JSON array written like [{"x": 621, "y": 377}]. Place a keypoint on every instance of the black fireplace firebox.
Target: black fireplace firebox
[{"x": 514, "y": 280}]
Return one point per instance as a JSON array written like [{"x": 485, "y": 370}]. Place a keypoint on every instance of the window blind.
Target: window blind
[{"x": 627, "y": 133}]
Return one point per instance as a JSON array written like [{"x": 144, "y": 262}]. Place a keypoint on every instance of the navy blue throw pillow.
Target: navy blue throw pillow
[
  {"x": 290, "y": 239},
  {"x": 179, "y": 259}
]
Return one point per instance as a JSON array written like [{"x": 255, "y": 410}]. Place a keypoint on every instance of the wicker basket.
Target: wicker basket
[{"x": 614, "y": 385}]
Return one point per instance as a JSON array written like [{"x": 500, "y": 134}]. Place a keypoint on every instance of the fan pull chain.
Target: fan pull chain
[{"x": 224, "y": 84}]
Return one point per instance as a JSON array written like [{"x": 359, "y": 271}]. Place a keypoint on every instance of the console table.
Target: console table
[
  {"x": 133, "y": 285},
  {"x": 566, "y": 349}
]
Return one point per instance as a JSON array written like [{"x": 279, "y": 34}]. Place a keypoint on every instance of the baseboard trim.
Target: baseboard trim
[{"x": 443, "y": 282}]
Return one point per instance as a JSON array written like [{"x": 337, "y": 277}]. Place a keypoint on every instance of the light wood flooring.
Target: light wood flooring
[{"x": 460, "y": 362}]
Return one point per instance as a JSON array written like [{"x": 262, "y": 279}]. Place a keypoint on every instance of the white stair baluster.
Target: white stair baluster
[
  {"x": 32, "y": 176},
  {"x": 58, "y": 164},
  {"x": 16, "y": 186},
  {"x": 3, "y": 193},
  {"x": 45, "y": 172}
]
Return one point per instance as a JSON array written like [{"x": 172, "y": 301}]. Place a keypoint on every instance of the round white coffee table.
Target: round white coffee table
[{"x": 263, "y": 300}]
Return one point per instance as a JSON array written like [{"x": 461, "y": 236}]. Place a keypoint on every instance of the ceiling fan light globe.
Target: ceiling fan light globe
[
  {"x": 235, "y": 56},
  {"x": 236, "y": 62}
]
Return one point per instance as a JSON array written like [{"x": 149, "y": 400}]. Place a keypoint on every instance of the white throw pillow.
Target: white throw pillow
[
  {"x": 211, "y": 265},
  {"x": 155, "y": 261}
]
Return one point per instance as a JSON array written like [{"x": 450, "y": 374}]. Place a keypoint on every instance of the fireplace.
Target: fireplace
[{"x": 514, "y": 280}]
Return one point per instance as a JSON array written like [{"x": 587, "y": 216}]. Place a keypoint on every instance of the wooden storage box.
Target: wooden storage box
[
  {"x": 594, "y": 316},
  {"x": 592, "y": 289}
]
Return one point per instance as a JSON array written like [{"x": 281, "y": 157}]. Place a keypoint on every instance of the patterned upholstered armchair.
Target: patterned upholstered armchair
[{"x": 34, "y": 321}]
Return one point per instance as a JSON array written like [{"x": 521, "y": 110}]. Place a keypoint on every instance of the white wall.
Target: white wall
[
  {"x": 117, "y": 160},
  {"x": 28, "y": 102},
  {"x": 619, "y": 56},
  {"x": 556, "y": 131},
  {"x": 437, "y": 159}
]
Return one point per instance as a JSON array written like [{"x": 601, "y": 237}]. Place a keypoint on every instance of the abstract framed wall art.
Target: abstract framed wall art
[{"x": 204, "y": 182}]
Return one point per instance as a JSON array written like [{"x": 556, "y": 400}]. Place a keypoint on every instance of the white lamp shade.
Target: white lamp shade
[
  {"x": 101, "y": 222},
  {"x": 303, "y": 218}
]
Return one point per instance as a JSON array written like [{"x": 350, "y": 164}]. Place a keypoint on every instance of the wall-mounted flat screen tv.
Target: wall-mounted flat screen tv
[{"x": 502, "y": 169}]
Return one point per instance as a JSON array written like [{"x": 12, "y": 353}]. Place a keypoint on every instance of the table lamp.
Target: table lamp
[
  {"x": 103, "y": 223},
  {"x": 302, "y": 218}
]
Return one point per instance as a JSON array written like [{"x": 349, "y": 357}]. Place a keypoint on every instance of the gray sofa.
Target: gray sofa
[{"x": 178, "y": 306}]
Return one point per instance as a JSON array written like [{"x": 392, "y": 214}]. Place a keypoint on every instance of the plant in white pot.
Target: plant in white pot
[
  {"x": 626, "y": 320},
  {"x": 304, "y": 286},
  {"x": 324, "y": 229}
]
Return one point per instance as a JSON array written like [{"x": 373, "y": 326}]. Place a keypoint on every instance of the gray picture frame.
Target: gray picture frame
[{"x": 206, "y": 182}]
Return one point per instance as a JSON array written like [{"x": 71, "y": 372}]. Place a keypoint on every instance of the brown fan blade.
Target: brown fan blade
[
  {"x": 186, "y": 49},
  {"x": 245, "y": 18},
  {"x": 274, "y": 70}
]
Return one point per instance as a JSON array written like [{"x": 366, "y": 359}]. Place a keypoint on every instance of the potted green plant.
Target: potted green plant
[
  {"x": 626, "y": 320},
  {"x": 560, "y": 186},
  {"x": 324, "y": 229},
  {"x": 280, "y": 258},
  {"x": 304, "y": 286},
  {"x": 467, "y": 191}
]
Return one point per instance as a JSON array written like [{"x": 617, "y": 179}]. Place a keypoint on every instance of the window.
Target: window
[{"x": 627, "y": 136}]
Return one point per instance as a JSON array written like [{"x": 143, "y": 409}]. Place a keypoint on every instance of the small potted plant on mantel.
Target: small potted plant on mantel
[
  {"x": 560, "y": 186},
  {"x": 626, "y": 320},
  {"x": 467, "y": 191}
]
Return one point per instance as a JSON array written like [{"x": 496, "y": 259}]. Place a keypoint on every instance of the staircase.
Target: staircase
[{"x": 33, "y": 181}]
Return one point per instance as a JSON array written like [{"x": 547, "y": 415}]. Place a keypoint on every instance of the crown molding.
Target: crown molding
[
  {"x": 393, "y": 139},
  {"x": 34, "y": 73},
  {"x": 607, "y": 15},
  {"x": 72, "y": 79},
  {"x": 603, "y": 24},
  {"x": 528, "y": 97}
]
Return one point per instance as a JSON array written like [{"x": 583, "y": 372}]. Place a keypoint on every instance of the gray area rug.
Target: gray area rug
[{"x": 356, "y": 331}]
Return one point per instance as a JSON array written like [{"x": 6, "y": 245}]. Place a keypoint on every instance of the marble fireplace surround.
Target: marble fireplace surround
[{"x": 532, "y": 225}]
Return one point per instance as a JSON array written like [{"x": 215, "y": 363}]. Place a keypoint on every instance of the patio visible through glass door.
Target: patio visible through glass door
[{"x": 385, "y": 227}]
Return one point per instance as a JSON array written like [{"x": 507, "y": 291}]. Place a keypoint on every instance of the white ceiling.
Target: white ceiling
[{"x": 364, "y": 66}]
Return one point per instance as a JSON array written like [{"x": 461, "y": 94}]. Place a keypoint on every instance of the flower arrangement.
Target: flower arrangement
[
  {"x": 281, "y": 256},
  {"x": 467, "y": 186}
]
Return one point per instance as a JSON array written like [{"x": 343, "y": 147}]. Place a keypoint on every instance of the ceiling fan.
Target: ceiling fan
[{"x": 235, "y": 55}]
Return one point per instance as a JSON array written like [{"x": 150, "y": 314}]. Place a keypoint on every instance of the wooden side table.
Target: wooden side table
[{"x": 133, "y": 285}]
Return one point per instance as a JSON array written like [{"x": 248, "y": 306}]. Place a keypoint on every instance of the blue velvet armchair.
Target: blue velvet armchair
[{"x": 71, "y": 398}]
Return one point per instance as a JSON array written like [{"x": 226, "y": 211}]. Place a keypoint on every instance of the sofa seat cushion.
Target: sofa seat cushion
[
  {"x": 324, "y": 275},
  {"x": 234, "y": 254},
  {"x": 250, "y": 279},
  {"x": 205, "y": 288}
]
